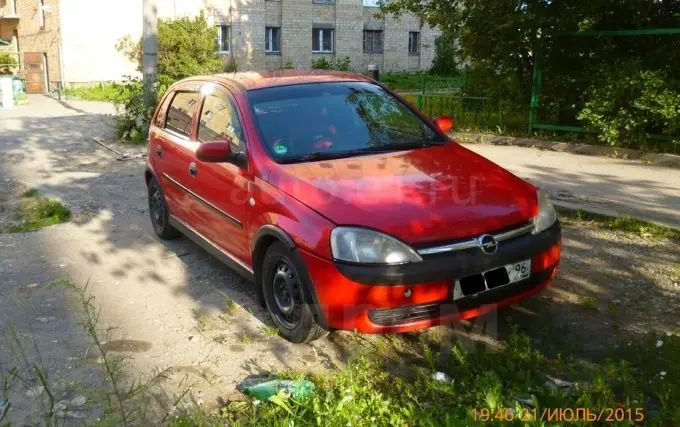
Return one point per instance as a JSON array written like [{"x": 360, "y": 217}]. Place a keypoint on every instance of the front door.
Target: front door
[
  {"x": 222, "y": 188},
  {"x": 36, "y": 72}
]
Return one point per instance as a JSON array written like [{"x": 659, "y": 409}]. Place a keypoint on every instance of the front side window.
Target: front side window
[
  {"x": 220, "y": 122},
  {"x": 272, "y": 41},
  {"x": 181, "y": 112},
  {"x": 372, "y": 3},
  {"x": 373, "y": 41},
  {"x": 322, "y": 40},
  {"x": 414, "y": 43},
  {"x": 223, "y": 38},
  {"x": 331, "y": 120}
]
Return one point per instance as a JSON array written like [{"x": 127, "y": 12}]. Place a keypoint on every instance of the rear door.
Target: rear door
[
  {"x": 222, "y": 188},
  {"x": 173, "y": 149}
]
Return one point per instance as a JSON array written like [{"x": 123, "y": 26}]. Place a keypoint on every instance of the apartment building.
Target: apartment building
[
  {"x": 73, "y": 42},
  {"x": 9, "y": 32}
]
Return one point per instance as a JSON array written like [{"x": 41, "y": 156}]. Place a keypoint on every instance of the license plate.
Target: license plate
[{"x": 516, "y": 272}]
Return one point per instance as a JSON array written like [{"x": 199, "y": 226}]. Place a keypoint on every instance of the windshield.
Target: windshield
[{"x": 331, "y": 120}]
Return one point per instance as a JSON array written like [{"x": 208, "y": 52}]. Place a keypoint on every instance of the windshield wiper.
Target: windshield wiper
[
  {"x": 314, "y": 156},
  {"x": 322, "y": 155}
]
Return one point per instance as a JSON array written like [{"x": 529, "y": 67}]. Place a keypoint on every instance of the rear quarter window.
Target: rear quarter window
[{"x": 181, "y": 112}]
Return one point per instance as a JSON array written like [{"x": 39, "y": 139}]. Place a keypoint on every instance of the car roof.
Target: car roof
[{"x": 252, "y": 80}]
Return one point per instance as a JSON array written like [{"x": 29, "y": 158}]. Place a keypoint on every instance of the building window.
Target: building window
[
  {"x": 373, "y": 41},
  {"x": 324, "y": 1},
  {"x": 272, "y": 39},
  {"x": 41, "y": 14},
  {"x": 224, "y": 38},
  {"x": 414, "y": 43},
  {"x": 322, "y": 40},
  {"x": 372, "y": 3}
]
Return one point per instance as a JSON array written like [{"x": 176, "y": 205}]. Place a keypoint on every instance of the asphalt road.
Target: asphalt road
[{"x": 605, "y": 185}]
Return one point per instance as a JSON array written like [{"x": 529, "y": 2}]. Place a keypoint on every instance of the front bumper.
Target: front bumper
[{"x": 379, "y": 299}]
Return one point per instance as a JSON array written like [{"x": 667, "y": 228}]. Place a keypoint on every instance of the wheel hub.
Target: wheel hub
[{"x": 287, "y": 297}]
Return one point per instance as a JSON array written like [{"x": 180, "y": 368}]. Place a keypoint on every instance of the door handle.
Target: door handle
[
  {"x": 193, "y": 169},
  {"x": 159, "y": 151}
]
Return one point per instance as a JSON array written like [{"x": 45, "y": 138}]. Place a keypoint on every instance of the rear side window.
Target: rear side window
[{"x": 181, "y": 112}]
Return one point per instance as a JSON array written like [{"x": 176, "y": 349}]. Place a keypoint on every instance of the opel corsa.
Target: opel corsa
[{"x": 346, "y": 207}]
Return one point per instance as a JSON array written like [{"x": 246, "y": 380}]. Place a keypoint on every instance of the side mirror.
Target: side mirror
[
  {"x": 214, "y": 152},
  {"x": 444, "y": 123}
]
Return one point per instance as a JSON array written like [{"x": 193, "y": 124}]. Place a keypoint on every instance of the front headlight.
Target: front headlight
[
  {"x": 360, "y": 245},
  {"x": 546, "y": 213}
]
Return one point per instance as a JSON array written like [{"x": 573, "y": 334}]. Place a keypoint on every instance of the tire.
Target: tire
[
  {"x": 159, "y": 213},
  {"x": 284, "y": 294}
]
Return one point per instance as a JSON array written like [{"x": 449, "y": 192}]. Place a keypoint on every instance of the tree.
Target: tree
[
  {"x": 500, "y": 39},
  {"x": 186, "y": 47}
]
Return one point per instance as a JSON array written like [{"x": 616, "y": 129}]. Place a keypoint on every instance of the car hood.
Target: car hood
[{"x": 420, "y": 196}]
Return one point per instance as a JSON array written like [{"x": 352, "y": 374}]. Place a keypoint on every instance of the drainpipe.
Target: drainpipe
[{"x": 60, "y": 53}]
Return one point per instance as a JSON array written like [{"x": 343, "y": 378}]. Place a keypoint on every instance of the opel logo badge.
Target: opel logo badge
[{"x": 488, "y": 244}]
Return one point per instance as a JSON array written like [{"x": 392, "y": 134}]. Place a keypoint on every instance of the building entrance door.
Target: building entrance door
[{"x": 35, "y": 65}]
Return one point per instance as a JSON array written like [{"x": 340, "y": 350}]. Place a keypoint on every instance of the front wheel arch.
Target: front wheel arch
[{"x": 264, "y": 238}]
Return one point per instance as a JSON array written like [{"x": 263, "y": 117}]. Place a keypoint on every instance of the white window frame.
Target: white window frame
[
  {"x": 268, "y": 47},
  {"x": 220, "y": 38},
  {"x": 372, "y": 3},
  {"x": 321, "y": 39}
]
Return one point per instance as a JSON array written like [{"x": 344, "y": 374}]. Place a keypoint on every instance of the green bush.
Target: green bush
[
  {"x": 8, "y": 63},
  {"x": 133, "y": 123},
  {"x": 629, "y": 107},
  {"x": 186, "y": 47},
  {"x": 338, "y": 64}
]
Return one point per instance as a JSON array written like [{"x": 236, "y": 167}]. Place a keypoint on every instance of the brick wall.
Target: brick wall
[
  {"x": 33, "y": 38},
  {"x": 91, "y": 31},
  {"x": 348, "y": 18}
]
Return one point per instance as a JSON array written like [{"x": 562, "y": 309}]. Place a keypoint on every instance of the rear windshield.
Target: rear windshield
[{"x": 331, "y": 120}]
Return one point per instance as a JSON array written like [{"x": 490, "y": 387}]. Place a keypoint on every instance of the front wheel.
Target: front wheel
[{"x": 284, "y": 295}]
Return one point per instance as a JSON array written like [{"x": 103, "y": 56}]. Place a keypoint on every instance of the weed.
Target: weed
[
  {"x": 100, "y": 92},
  {"x": 203, "y": 318},
  {"x": 270, "y": 331},
  {"x": 366, "y": 393},
  {"x": 642, "y": 228},
  {"x": 126, "y": 400},
  {"x": 30, "y": 193},
  {"x": 232, "y": 307},
  {"x": 37, "y": 211},
  {"x": 588, "y": 303},
  {"x": 246, "y": 338},
  {"x": 675, "y": 274}
]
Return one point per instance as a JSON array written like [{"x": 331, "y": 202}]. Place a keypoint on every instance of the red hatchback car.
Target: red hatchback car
[{"x": 347, "y": 208}]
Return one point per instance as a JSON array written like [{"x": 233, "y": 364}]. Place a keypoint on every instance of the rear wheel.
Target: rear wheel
[
  {"x": 159, "y": 213},
  {"x": 284, "y": 295}
]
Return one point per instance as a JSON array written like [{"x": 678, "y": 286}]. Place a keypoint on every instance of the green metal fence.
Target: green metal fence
[{"x": 468, "y": 112}]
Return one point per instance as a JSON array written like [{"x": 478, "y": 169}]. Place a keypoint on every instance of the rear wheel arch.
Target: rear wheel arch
[{"x": 148, "y": 175}]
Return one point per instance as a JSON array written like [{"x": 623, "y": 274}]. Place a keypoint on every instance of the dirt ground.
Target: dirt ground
[{"x": 174, "y": 307}]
